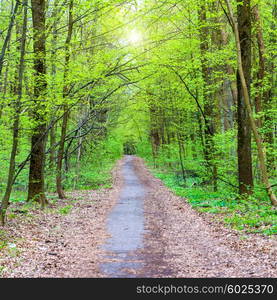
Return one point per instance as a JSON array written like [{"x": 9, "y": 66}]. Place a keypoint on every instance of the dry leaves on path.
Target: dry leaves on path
[
  {"x": 178, "y": 240},
  {"x": 62, "y": 240},
  {"x": 187, "y": 243}
]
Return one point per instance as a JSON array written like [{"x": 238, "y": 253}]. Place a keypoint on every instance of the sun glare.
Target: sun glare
[{"x": 134, "y": 37}]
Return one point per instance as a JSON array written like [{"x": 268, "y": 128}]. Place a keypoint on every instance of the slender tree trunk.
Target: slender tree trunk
[
  {"x": 229, "y": 88},
  {"x": 60, "y": 191},
  {"x": 245, "y": 173},
  {"x": 260, "y": 93},
  {"x": 67, "y": 153},
  {"x": 53, "y": 88},
  {"x": 60, "y": 157},
  {"x": 181, "y": 153},
  {"x": 36, "y": 174},
  {"x": 269, "y": 100},
  {"x": 246, "y": 98},
  {"x": 17, "y": 107},
  {"x": 209, "y": 111},
  {"x": 154, "y": 134},
  {"x": 5, "y": 48},
  {"x": 4, "y": 85},
  {"x": 78, "y": 161},
  {"x": 52, "y": 147},
  {"x": 8, "y": 36}
]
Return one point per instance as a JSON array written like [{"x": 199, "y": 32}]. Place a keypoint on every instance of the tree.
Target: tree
[
  {"x": 65, "y": 106},
  {"x": 245, "y": 173},
  {"x": 8, "y": 36},
  {"x": 36, "y": 189},
  {"x": 246, "y": 97},
  {"x": 209, "y": 98},
  {"x": 161, "y": 76},
  {"x": 17, "y": 110}
]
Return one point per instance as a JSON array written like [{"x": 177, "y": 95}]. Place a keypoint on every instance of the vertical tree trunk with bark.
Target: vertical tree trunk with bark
[
  {"x": 154, "y": 133},
  {"x": 230, "y": 93},
  {"x": 78, "y": 159},
  {"x": 260, "y": 93},
  {"x": 246, "y": 99},
  {"x": 53, "y": 88},
  {"x": 17, "y": 110},
  {"x": 5, "y": 84},
  {"x": 269, "y": 100},
  {"x": 263, "y": 97},
  {"x": 245, "y": 174},
  {"x": 8, "y": 36},
  {"x": 60, "y": 191},
  {"x": 209, "y": 110},
  {"x": 5, "y": 48},
  {"x": 36, "y": 174}
]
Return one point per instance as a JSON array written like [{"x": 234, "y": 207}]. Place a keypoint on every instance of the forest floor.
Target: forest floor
[{"x": 89, "y": 234}]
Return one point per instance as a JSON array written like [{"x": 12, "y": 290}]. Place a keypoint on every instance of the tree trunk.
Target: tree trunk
[
  {"x": 246, "y": 98},
  {"x": 154, "y": 134},
  {"x": 245, "y": 173},
  {"x": 59, "y": 187},
  {"x": 52, "y": 146},
  {"x": 8, "y": 36},
  {"x": 37, "y": 159},
  {"x": 17, "y": 107},
  {"x": 229, "y": 88},
  {"x": 260, "y": 94},
  {"x": 78, "y": 161},
  {"x": 53, "y": 88},
  {"x": 209, "y": 110},
  {"x": 269, "y": 101},
  {"x": 60, "y": 191}
]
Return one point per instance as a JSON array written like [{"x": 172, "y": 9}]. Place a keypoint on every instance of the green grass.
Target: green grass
[
  {"x": 254, "y": 215},
  {"x": 3, "y": 239},
  {"x": 91, "y": 177},
  {"x": 3, "y": 244},
  {"x": 65, "y": 210}
]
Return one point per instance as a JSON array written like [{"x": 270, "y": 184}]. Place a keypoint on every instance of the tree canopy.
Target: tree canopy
[{"x": 187, "y": 85}]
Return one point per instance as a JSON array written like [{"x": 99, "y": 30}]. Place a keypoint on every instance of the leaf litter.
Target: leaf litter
[{"x": 178, "y": 240}]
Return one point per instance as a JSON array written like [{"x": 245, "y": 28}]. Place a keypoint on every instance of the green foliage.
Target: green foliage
[
  {"x": 252, "y": 215},
  {"x": 94, "y": 171},
  {"x": 3, "y": 239},
  {"x": 90, "y": 177},
  {"x": 136, "y": 84},
  {"x": 65, "y": 209},
  {"x": 3, "y": 244}
]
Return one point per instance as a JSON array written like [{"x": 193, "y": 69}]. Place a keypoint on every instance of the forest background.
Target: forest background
[{"x": 189, "y": 86}]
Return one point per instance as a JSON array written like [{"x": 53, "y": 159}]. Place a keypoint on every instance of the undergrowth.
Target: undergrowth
[
  {"x": 91, "y": 176},
  {"x": 252, "y": 215}
]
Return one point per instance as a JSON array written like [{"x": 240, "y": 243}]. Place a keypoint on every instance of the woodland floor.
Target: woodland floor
[{"x": 177, "y": 241}]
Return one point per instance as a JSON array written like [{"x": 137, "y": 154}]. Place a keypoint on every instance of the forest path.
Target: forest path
[
  {"x": 125, "y": 225},
  {"x": 137, "y": 228},
  {"x": 156, "y": 234}
]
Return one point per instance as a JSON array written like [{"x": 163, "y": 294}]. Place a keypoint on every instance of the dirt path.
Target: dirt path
[
  {"x": 125, "y": 225},
  {"x": 184, "y": 243},
  {"x": 136, "y": 229},
  {"x": 178, "y": 241}
]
